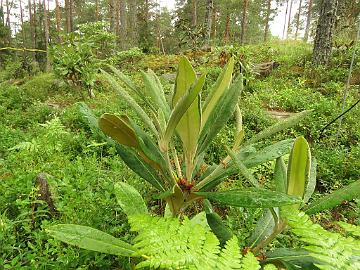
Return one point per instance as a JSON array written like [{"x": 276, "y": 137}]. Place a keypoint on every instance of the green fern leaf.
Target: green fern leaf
[
  {"x": 167, "y": 243},
  {"x": 352, "y": 229},
  {"x": 331, "y": 250},
  {"x": 250, "y": 262}
]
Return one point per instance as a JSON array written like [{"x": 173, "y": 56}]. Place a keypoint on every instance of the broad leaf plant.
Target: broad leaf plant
[{"x": 168, "y": 151}]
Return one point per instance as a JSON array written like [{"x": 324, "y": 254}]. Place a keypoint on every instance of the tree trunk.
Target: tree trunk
[
  {"x": 123, "y": 23},
  {"x": 194, "y": 13},
  {"x": 71, "y": 14},
  {"x": 112, "y": 15},
  {"x": 58, "y": 18},
  {"x": 8, "y": 38},
  {"x": 2, "y": 12},
  {"x": 208, "y": 20},
  {"x": 324, "y": 32},
  {"x": 46, "y": 27},
  {"x": 132, "y": 30},
  {"x": 298, "y": 20},
  {"x": 31, "y": 26},
  {"x": 7, "y": 13},
  {"x": 286, "y": 12},
  {"x": 34, "y": 27},
  {"x": 67, "y": 16},
  {"x": 266, "y": 32},
  {"x": 22, "y": 23},
  {"x": 244, "y": 21},
  {"x": 41, "y": 18},
  {"x": 227, "y": 27},
  {"x": 97, "y": 10},
  {"x": 117, "y": 18},
  {"x": 308, "y": 21},
  {"x": 214, "y": 23},
  {"x": 289, "y": 20}
]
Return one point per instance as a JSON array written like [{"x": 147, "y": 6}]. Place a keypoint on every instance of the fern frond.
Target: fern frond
[
  {"x": 352, "y": 229},
  {"x": 230, "y": 256},
  {"x": 332, "y": 250},
  {"x": 167, "y": 243},
  {"x": 250, "y": 262}
]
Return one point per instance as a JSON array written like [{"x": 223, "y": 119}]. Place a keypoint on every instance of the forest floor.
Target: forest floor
[{"x": 41, "y": 130}]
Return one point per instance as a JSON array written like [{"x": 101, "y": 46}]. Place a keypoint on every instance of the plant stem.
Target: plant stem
[
  {"x": 170, "y": 169},
  {"x": 176, "y": 160}
]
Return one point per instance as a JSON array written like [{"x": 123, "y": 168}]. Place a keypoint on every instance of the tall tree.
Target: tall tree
[
  {"x": 46, "y": 28},
  {"x": 97, "y": 11},
  {"x": 289, "y": 19},
  {"x": 112, "y": 14},
  {"x": 117, "y": 18},
  {"x": 227, "y": 26},
  {"x": 208, "y": 19},
  {"x": 2, "y": 12},
  {"x": 244, "y": 21},
  {"x": 308, "y": 20},
  {"x": 194, "y": 13},
  {"x": 68, "y": 16},
  {"x": 58, "y": 18},
  {"x": 286, "y": 12},
  {"x": 34, "y": 26},
  {"x": 133, "y": 24},
  {"x": 71, "y": 15},
  {"x": 298, "y": 20},
  {"x": 8, "y": 14},
  {"x": 324, "y": 32},
  {"x": 123, "y": 23},
  {"x": 22, "y": 22},
  {"x": 214, "y": 22},
  {"x": 268, "y": 10}
]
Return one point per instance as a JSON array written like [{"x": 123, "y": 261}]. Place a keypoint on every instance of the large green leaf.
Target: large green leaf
[
  {"x": 181, "y": 108},
  {"x": 250, "y": 158},
  {"x": 298, "y": 167},
  {"x": 292, "y": 259},
  {"x": 222, "y": 111},
  {"x": 190, "y": 124},
  {"x": 119, "y": 129},
  {"x": 311, "y": 183},
  {"x": 129, "y": 199},
  {"x": 131, "y": 158},
  {"x": 349, "y": 192},
  {"x": 242, "y": 168},
  {"x": 222, "y": 232},
  {"x": 130, "y": 101},
  {"x": 127, "y": 81},
  {"x": 147, "y": 146},
  {"x": 263, "y": 229},
  {"x": 280, "y": 175},
  {"x": 218, "y": 90},
  {"x": 140, "y": 166},
  {"x": 281, "y": 125},
  {"x": 91, "y": 239},
  {"x": 91, "y": 120},
  {"x": 154, "y": 89},
  {"x": 268, "y": 153},
  {"x": 251, "y": 198}
]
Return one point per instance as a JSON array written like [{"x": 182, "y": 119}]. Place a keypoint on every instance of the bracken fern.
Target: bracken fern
[
  {"x": 331, "y": 250},
  {"x": 171, "y": 244}
]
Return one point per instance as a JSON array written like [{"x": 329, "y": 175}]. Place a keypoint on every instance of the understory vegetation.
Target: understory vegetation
[{"x": 48, "y": 125}]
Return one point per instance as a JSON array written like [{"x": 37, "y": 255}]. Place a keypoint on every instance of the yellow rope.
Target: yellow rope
[{"x": 22, "y": 49}]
